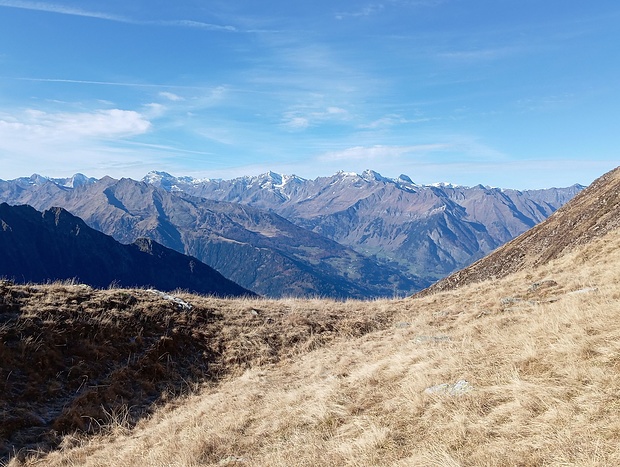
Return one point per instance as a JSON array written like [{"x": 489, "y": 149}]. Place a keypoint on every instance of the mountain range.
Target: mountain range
[
  {"x": 344, "y": 236},
  {"x": 590, "y": 215},
  {"x": 55, "y": 245},
  {"x": 257, "y": 249},
  {"x": 427, "y": 231}
]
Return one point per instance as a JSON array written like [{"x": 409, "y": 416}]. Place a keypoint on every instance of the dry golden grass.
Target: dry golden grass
[
  {"x": 541, "y": 349},
  {"x": 73, "y": 357}
]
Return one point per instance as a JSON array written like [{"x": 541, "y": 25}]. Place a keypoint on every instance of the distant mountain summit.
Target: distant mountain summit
[
  {"x": 427, "y": 231},
  {"x": 55, "y": 245},
  {"x": 71, "y": 182},
  {"x": 591, "y": 214}
]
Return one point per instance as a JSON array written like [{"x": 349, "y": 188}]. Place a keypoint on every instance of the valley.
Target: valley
[
  {"x": 346, "y": 236},
  {"x": 481, "y": 369}
]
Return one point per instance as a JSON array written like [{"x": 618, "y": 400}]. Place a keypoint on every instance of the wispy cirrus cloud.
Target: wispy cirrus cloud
[
  {"x": 479, "y": 55},
  {"x": 60, "y": 9},
  {"x": 72, "y": 11},
  {"x": 368, "y": 10},
  {"x": 184, "y": 23},
  {"x": 106, "y": 83},
  {"x": 546, "y": 103},
  {"x": 171, "y": 96},
  {"x": 299, "y": 120},
  {"x": 393, "y": 120},
  {"x": 372, "y": 9}
]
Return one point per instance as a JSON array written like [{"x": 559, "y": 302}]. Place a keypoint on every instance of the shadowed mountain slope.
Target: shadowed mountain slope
[
  {"x": 591, "y": 214},
  {"x": 55, "y": 245}
]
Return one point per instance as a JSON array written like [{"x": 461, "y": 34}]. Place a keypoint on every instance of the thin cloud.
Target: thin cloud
[
  {"x": 170, "y": 96},
  {"x": 299, "y": 120},
  {"x": 167, "y": 148},
  {"x": 336, "y": 111},
  {"x": 418, "y": 3},
  {"x": 379, "y": 152},
  {"x": 368, "y": 10},
  {"x": 66, "y": 10},
  {"x": 376, "y": 8},
  {"x": 479, "y": 55},
  {"x": 105, "y": 83},
  {"x": 393, "y": 120},
  {"x": 154, "y": 110},
  {"x": 297, "y": 123},
  {"x": 54, "y": 127},
  {"x": 61, "y": 9},
  {"x": 546, "y": 103},
  {"x": 192, "y": 24}
]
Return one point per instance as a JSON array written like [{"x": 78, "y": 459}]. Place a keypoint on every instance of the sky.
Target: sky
[{"x": 509, "y": 93}]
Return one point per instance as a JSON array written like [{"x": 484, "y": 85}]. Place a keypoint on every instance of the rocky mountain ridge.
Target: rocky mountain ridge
[
  {"x": 426, "y": 230},
  {"x": 398, "y": 236},
  {"x": 259, "y": 250},
  {"x": 39, "y": 247},
  {"x": 590, "y": 215}
]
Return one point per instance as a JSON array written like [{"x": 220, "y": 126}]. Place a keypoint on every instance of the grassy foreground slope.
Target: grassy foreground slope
[
  {"x": 536, "y": 355},
  {"x": 72, "y": 358},
  {"x": 539, "y": 349}
]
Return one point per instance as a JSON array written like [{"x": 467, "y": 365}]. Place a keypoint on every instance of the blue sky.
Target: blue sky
[{"x": 510, "y": 93}]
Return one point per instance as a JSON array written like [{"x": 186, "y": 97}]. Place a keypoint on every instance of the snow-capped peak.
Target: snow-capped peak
[
  {"x": 371, "y": 175},
  {"x": 75, "y": 181},
  {"x": 155, "y": 176}
]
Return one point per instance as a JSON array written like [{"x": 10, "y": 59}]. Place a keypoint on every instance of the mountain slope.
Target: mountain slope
[
  {"x": 259, "y": 250},
  {"x": 522, "y": 370},
  {"x": 55, "y": 245},
  {"x": 591, "y": 214},
  {"x": 428, "y": 231}
]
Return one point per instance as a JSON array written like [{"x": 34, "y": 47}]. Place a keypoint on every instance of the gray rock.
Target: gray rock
[{"x": 459, "y": 388}]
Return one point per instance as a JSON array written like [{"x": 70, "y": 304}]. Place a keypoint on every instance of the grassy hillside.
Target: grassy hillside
[
  {"x": 539, "y": 349},
  {"x": 72, "y": 356}
]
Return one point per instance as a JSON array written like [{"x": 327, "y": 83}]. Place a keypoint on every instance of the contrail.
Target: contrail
[{"x": 65, "y": 10}]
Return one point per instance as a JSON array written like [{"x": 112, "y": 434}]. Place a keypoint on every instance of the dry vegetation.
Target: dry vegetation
[
  {"x": 132, "y": 378},
  {"x": 326, "y": 383},
  {"x": 73, "y": 358}
]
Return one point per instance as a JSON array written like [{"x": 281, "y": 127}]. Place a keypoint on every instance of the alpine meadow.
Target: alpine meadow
[
  {"x": 303, "y": 234},
  {"x": 516, "y": 367}
]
